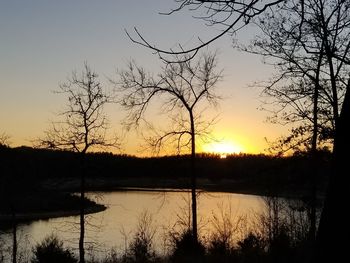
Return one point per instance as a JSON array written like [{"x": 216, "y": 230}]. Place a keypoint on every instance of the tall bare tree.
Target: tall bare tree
[
  {"x": 230, "y": 16},
  {"x": 303, "y": 43},
  {"x": 182, "y": 88},
  {"x": 294, "y": 41},
  {"x": 83, "y": 125},
  {"x": 310, "y": 44}
]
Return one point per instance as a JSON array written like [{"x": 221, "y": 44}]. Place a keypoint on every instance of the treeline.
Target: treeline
[{"x": 254, "y": 173}]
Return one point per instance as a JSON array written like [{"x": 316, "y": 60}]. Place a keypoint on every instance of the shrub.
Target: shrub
[
  {"x": 186, "y": 249},
  {"x": 220, "y": 251},
  {"x": 51, "y": 250},
  {"x": 252, "y": 248},
  {"x": 141, "y": 248}
]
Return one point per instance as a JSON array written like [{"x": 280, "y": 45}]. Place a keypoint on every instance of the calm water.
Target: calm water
[{"x": 115, "y": 226}]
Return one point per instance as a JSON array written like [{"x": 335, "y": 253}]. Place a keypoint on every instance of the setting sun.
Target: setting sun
[{"x": 223, "y": 148}]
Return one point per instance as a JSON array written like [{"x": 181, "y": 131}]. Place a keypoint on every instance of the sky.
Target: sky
[{"x": 43, "y": 41}]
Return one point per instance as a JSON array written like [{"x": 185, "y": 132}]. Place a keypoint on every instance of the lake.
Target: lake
[{"x": 165, "y": 210}]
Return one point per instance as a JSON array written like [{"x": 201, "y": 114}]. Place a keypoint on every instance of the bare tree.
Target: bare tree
[
  {"x": 83, "y": 126},
  {"x": 309, "y": 45},
  {"x": 301, "y": 91},
  {"x": 299, "y": 43},
  {"x": 230, "y": 15},
  {"x": 182, "y": 88},
  {"x": 5, "y": 139}
]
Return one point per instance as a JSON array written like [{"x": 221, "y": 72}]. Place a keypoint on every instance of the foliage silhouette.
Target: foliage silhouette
[
  {"x": 185, "y": 248},
  {"x": 51, "y": 250}
]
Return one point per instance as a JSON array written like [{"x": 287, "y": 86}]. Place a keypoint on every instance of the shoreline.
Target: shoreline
[
  {"x": 229, "y": 188},
  {"x": 32, "y": 216},
  {"x": 103, "y": 184}
]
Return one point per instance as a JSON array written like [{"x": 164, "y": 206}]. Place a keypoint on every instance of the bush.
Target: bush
[
  {"x": 141, "y": 248},
  {"x": 51, "y": 250},
  {"x": 252, "y": 249},
  {"x": 220, "y": 251},
  {"x": 186, "y": 249}
]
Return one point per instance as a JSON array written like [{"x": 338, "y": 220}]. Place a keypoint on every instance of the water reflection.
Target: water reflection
[{"x": 114, "y": 226}]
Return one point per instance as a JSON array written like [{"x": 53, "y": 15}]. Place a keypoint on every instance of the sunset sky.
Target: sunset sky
[{"x": 42, "y": 41}]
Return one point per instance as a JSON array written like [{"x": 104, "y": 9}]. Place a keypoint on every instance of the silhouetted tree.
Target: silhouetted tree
[
  {"x": 83, "y": 126},
  {"x": 182, "y": 88},
  {"x": 4, "y": 139},
  {"x": 230, "y": 15},
  {"x": 302, "y": 90},
  {"x": 311, "y": 43},
  {"x": 309, "y": 86},
  {"x": 298, "y": 92}
]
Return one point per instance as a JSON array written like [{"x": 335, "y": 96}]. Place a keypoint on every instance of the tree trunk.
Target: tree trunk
[
  {"x": 333, "y": 232},
  {"x": 314, "y": 155},
  {"x": 193, "y": 182},
  {"x": 82, "y": 210},
  {"x": 14, "y": 236}
]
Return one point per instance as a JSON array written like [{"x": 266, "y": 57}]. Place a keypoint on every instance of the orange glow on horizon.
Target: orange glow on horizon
[{"x": 223, "y": 148}]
